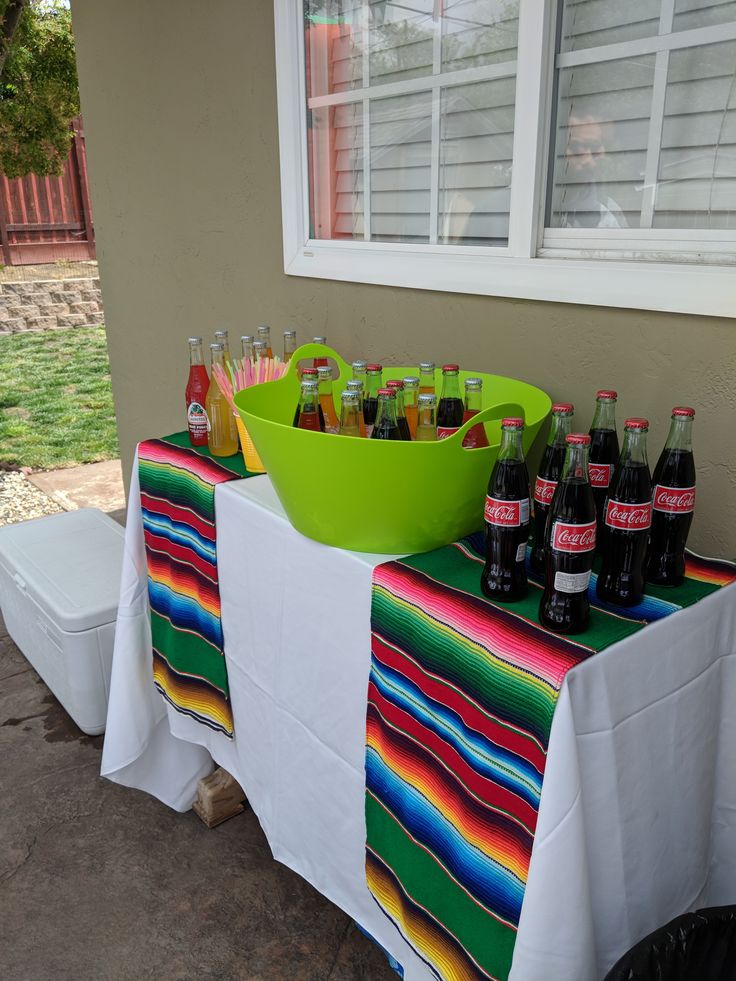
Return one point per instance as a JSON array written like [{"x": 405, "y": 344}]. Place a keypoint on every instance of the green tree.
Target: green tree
[{"x": 39, "y": 93}]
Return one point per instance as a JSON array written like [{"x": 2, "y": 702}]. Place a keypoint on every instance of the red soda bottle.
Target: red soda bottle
[
  {"x": 628, "y": 518},
  {"x": 319, "y": 362},
  {"x": 309, "y": 413},
  {"x": 507, "y": 518},
  {"x": 451, "y": 408},
  {"x": 549, "y": 473},
  {"x": 673, "y": 502},
  {"x": 476, "y": 437},
  {"x": 196, "y": 394},
  {"x": 569, "y": 543},
  {"x": 603, "y": 451}
]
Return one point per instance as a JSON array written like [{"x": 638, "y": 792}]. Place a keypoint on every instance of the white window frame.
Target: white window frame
[{"x": 563, "y": 265}]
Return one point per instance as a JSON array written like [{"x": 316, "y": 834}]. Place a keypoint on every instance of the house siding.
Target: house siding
[{"x": 179, "y": 104}]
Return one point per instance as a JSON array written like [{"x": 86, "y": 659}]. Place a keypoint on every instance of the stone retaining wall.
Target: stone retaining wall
[{"x": 49, "y": 304}]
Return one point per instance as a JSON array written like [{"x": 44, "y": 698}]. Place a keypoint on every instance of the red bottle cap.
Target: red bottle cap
[
  {"x": 684, "y": 410},
  {"x": 451, "y": 367},
  {"x": 309, "y": 371},
  {"x": 374, "y": 367},
  {"x": 512, "y": 423},
  {"x": 563, "y": 407},
  {"x": 636, "y": 424},
  {"x": 387, "y": 391},
  {"x": 394, "y": 383},
  {"x": 578, "y": 439},
  {"x": 606, "y": 393}
]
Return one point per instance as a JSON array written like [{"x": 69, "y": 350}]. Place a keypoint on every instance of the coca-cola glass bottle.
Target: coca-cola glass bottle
[
  {"x": 604, "y": 451},
  {"x": 386, "y": 425},
  {"x": 549, "y": 473},
  {"x": 569, "y": 543},
  {"x": 507, "y": 518},
  {"x": 398, "y": 387},
  {"x": 374, "y": 374},
  {"x": 673, "y": 502},
  {"x": 628, "y": 518},
  {"x": 451, "y": 408}
]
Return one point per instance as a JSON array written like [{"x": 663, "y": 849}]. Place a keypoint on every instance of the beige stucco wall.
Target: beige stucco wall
[{"x": 179, "y": 102}]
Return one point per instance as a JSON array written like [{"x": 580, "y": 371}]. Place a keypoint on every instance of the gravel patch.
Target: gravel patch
[{"x": 20, "y": 500}]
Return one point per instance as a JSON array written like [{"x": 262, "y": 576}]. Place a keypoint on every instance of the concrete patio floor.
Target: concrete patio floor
[{"x": 101, "y": 883}]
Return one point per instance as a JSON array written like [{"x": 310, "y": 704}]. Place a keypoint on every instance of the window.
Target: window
[{"x": 582, "y": 151}]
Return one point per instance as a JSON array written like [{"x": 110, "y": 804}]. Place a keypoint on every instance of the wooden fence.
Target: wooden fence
[{"x": 43, "y": 219}]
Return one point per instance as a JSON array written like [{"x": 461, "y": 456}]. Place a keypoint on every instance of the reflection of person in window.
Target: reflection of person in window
[{"x": 585, "y": 202}]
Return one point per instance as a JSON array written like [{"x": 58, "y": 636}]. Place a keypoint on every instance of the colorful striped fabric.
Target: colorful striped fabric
[
  {"x": 177, "y": 484},
  {"x": 461, "y": 697}
]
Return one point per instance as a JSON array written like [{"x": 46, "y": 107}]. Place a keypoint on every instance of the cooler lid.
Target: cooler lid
[{"x": 69, "y": 563}]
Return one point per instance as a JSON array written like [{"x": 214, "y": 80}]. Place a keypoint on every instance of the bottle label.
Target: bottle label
[
  {"x": 674, "y": 500},
  {"x": 572, "y": 582},
  {"x": 444, "y": 431},
  {"x": 600, "y": 474},
  {"x": 199, "y": 424},
  {"x": 629, "y": 517},
  {"x": 507, "y": 514},
  {"x": 544, "y": 490},
  {"x": 573, "y": 538},
  {"x": 521, "y": 552}
]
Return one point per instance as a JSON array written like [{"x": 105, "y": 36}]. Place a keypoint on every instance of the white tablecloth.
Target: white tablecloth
[{"x": 637, "y": 821}]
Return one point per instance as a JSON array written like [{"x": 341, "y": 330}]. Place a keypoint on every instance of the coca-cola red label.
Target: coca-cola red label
[
  {"x": 573, "y": 538},
  {"x": 600, "y": 474},
  {"x": 674, "y": 500},
  {"x": 630, "y": 517},
  {"x": 444, "y": 431},
  {"x": 544, "y": 490},
  {"x": 507, "y": 514}
]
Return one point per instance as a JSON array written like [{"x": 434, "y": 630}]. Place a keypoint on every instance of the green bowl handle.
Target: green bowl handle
[
  {"x": 312, "y": 350},
  {"x": 490, "y": 414}
]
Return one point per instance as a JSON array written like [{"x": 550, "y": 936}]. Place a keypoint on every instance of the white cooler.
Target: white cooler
[{"x": 59, "y": 589}]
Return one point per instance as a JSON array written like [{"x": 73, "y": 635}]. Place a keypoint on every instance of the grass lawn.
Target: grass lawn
[{"x": 56, "y": 405}]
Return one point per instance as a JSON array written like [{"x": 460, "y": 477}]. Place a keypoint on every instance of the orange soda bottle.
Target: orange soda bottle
[
  {"x": 411, "y": 390},
  {"x": 326, "y": 400},
  {"x": 426, "y": 378},
  {"x": 264, "y": 334}
]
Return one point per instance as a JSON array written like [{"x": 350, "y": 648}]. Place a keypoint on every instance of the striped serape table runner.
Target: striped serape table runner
[
  {"x": 461, "y": 697},
  {"x": 178, "y": 482}
]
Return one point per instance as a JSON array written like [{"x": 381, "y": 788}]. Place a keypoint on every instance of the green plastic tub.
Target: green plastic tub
[{"x": 376, "y": 495}]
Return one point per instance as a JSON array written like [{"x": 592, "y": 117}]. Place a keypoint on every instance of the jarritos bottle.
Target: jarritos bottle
[
  {"x": 451, "y": 408},
  {"x": 357, "y": 386},
  {"x": 604, "y": 451},
  {"x": 223, "y": 434},
  {"x": 196, "y": 394},
  {"x": 507, "y": 518},
  {"x": 386, "y": 425},
  {"x": 569, "y": 543},
  {"x": 426, "y": 378},
  {"x": 476, "y": 437},
  {"x": 350, "y": 413},
  {"x": 264, "y": 335},
  {"x": 426, "y": 418},
  {"x": 309, "y": 374},
  {"x": 326, "y": 399},
  {"x": 289, "y": 344},
  {"x": 550, "y": 469},
  {"x": 309, "y": 412},
  {"x": 319, "y": 362},
  {"x": 398, "y": 386},
  {"x": 221, "y": 337},
  {"x": 628, "y": 518},
  {"x": 673, "y": 502},
  {"x": 374, "y": 375},
  {"x": 246, "y": 342},
  {"x": 411, "y": 390}
]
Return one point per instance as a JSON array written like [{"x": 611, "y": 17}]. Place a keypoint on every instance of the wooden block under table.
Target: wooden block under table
[{"x": 219, "y": 797}]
